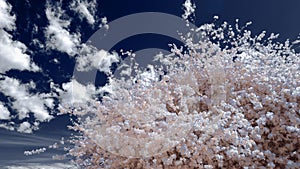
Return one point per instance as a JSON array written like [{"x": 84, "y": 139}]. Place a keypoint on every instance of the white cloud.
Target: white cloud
[
  {"x": 7, "y": 126},
  {"x": 12, "y": 53},
  {"x": 25, "y": 102},
  {"x": 86, "y": 9},
  {"x": 59, "y": 38},
  {"x": 75, "y": 92},
  {"x": 25, "y": 127},
  {"x": 42, "y": 166},
  {"x": 57, "y": 34},
  {"x": 90, "y": 57},
  {"x": 4, "y": 113},
  {"x": 7, "y": 21}
]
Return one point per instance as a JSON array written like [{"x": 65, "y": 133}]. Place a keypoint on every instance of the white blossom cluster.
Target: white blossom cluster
[
  {"x": 231, "y": 101},
  {"x": 36, "y": 151}
]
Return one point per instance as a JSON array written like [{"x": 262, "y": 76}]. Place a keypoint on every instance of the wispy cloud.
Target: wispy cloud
[
  {"x": 90, "y": 57},
  {"x": 4, "y": 113},
  {"x": 25, "y": 102},
  {"x": 86, "y": 9},
  {"x": 75, "y": 92},
  {"x": 57, "y": 34},
  {"x": 13, "y": 53},
  {"x": 43, "y": 166}
]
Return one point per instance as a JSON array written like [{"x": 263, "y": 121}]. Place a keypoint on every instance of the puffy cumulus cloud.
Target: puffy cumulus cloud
[
  {"x": 90, "y": 57},
  {"x": 59, "y": 37},
  {"x": 4, "y": 113},
  {"x": 57, "y": 34},
  {"x": 12, "y": 53},
  {"x": 8, "y": 126},
  {"x": 24, "y": 102},
  {"x": 25, "y": 127},
  {"x": 7, "y": 20},
  {"x": 86, "y": 9},
  {"x": 74, "y": 92}
]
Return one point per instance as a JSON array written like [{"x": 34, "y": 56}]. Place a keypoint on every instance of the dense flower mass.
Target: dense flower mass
[{"x": 230, "y": 100}]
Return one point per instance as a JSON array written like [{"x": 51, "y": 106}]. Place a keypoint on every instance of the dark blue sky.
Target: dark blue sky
[
  {"x": 275, "y": 16},
  {"x": 271, "y": 15}
]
